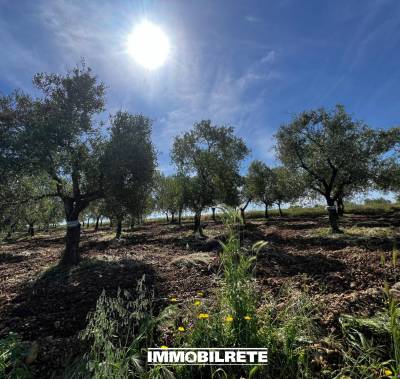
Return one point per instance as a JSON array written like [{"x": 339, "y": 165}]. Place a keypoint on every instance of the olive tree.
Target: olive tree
[
  {"x": 287, "y": 186},
  {"x": 128, "y": 165},
  {"x": 333, "y": 151},
  {"x": 169, "y": 195},
  {"x": 55, "y": 133},
  {"x": 259, "y": 183},
  {"x": 208, "y": 155}
]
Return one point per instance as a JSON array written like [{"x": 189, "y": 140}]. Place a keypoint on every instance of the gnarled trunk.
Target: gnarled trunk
[
  {"x": 172, "y": 217},
  {"x": 333, "y": 216},
  {"x": 71, "y": 254},
  {"x": 72, "y": 209},
  {"x": 180, "y": 216},
  {"x": 266, "y": 211},
  {"x": 166, "y": 215}
]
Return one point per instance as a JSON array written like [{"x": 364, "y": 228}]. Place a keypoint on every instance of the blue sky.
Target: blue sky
[{"x": 250, "y": 64}]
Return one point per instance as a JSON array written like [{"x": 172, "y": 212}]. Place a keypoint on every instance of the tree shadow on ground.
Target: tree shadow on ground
[
  {"x": 57, "y": 303},
  {"x": 297, "y": 225},
  {"x": 338, "y": 242},
  {"x": 11, "y": 258},
  {"x": 287, "y": 264}
]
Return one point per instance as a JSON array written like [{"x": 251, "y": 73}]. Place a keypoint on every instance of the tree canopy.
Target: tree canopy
[
  {"x": 210, "y": 156},
  {"x": 333, "y": 151}
]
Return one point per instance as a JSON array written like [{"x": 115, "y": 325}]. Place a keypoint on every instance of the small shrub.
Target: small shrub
[
  {"x": 12, "y": 358},
  {"x": 118, "y": 332},
  {"x": 288, "y": 329}
]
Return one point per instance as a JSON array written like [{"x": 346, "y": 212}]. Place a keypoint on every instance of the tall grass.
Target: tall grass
[
  {"x": 120, "y": 329},
  {"x": 118, "y": 332},
  {"x": 239, "y": 318}
]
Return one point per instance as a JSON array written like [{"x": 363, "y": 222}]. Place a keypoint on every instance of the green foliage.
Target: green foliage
[
  {"x": 259, "y": 182},
  {"x": 376, "y": 202},
  {"x": 12, "y": 357},
  {"x": 288, "y": 185},
  {"x": 287, "y": 328},
  {"x": 210, "y": 156},
  {"x": 171, "y": 193},
  {"x": 371, "y": 346},
  {"x": 237, "y": 320},
  {"x": 332, "y": 149},
  {"x": 338, "y": 155},
  {"x": 128, "y": 165},
  {"x": 117, "y": 333}
]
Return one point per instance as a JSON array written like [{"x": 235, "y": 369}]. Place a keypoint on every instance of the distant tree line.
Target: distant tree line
[{"x": 58, "y": 162}]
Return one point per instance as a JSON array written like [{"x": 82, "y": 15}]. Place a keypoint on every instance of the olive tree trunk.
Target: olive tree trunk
[
  {"x": 242, "y": 210},
  {"x": 280, "y": 210},
  {"x": 71, "y": 254},
  {"x": 119, "y": 229},
  {"x": 198, "y": 231},
  {"x": 96, "y": 228},
  {"x": 333, "y": 216},
  {"x": 31, "y": 230},
  {"x": 213, "y": 214},
  {"x": 72, "y": 209}
]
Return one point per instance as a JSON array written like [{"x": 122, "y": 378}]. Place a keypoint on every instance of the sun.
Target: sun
[{"x": 148, "y": 45}]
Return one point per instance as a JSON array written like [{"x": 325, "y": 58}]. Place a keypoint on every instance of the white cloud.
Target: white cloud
[
  {"x": 252, "y": 19},
  {"x": 226, "y": 101}
]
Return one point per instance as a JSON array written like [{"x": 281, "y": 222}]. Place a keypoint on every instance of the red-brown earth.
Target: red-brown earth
[{"x": 48, "y": 304}]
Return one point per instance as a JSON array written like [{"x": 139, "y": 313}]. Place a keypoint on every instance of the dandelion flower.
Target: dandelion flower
[
  {"x": 197, "y": 303},
  {"x": 388, "y": 372},
  {"x": 228, "y": 319},
  {"x": 203, "y": 316},
  {"x": 173, "y": 299},
  {"x": 163, "y": 347},
  {"x": 247, "y": 317},
  {"x": 181, "y": 329}
]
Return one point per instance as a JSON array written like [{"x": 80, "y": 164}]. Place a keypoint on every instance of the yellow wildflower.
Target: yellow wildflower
[
  {"x": 200, "y": 293},
  {"x": 228, "y": 318},
  {"x": 388, "y": 372},
  {"x": 173, "y": 299},
  {"x": 181, "y": 329},
  {"x": 163, "y": 347},
  {"x": 247, "y": 318},
  {"x": 197, "y": 303},
  {"x": 203, "y": 316}
]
